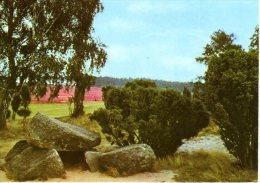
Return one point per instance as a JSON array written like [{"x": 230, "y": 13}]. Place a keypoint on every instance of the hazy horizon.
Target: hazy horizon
[{"x": 161, "y": 39}]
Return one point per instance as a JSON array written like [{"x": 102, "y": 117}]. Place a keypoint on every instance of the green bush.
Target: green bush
[
  {"x": 142, "y": 113},
  {"x": 230, "y": 91}
]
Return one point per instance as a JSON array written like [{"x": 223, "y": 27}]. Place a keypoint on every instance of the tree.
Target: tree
[
  {"x": 231, "y": 92},
  {"x": 3, "y": 105},
  {"x": 38, "y": 38},
  {"x": 30, "y": 45},
  {"x": 88, "y": 54},
  {"x": 220, "y": 42},
  {"x": 254, "y": 44}
]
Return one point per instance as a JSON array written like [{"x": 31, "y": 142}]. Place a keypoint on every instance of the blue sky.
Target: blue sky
[{"x": 161, "y": 39}]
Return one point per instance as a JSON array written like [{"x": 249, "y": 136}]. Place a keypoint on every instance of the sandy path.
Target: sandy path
[
  {"x": 86, "y": 176},
  {"x": 77, "y": 175}
]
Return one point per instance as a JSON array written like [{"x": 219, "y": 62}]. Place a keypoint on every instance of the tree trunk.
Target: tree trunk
[
  {"x": 78, "y": 102},
  {"x": 3, "y": 111}
]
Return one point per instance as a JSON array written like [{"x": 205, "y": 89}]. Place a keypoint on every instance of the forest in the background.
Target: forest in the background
[{"x": 120, "y": 82}]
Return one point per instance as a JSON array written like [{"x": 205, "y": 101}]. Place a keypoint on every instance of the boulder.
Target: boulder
[
  {"x": 92, "y": 160},
  {"x": 46, "y": 132},
  {"x": 17, "y": 149},
  {"x": 130, "y": 159},
  {"x": 25, "y": 162}
]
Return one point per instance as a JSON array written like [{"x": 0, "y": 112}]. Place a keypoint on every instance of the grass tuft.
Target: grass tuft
[{"x": 207, "y": 166}]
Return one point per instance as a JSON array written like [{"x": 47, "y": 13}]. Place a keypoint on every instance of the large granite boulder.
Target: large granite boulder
[
  {"x": 92, "y": 160},
  {"x": 25, "y": 162},
  {"x": 46, "y": 132},
  {"x": 130, "y": 159}
]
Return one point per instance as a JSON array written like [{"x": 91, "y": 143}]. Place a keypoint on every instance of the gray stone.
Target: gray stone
[
  {"x": 130, "y": 159},
  {"x": 17, "y": 149},
  {"x": 92, "y": 160},
  {"x": 46, "y": 132},
  {"x": 25, "y": 162}
]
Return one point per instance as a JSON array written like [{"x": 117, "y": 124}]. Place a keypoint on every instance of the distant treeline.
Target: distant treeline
[{"x": 120, "y": 82}]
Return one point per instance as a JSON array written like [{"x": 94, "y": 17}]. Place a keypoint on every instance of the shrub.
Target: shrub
[
  {"x": 24, "y": 112},
  {"x": 230, "y": 90},
  {"x": 142, "y": 113}
]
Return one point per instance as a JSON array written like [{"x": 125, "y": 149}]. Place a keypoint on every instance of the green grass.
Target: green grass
[
  {"x": 60, "y": 109},
  {"x": 206, "y": 166}
]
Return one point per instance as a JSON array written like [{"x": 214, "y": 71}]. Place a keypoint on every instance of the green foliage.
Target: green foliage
[
  {"x": 24, "y": 112},
  {"x": 220, "y": 42},
  {"x": 142, "y": 113},
  {"x": 15, "y": 104},
  {"x": 254, "y": 45},
  {"x": 88, "y": 54},
  {"x": 231, "y": 94},
  {"x": 36, "y": 39},
  {"x": 20, "y": 102},
  {"x": 110, "y": 121},
  {"x": 186, "y": 92},
  {"x": 140, "y": 83}
]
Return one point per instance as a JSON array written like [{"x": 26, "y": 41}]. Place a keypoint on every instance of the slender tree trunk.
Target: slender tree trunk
[
  {"x": 2, "y": 111},
  {"x": 78, "y": 102}
]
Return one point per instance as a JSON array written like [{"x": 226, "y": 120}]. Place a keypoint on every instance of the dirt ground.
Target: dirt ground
[{"x": 77, "y": 175}]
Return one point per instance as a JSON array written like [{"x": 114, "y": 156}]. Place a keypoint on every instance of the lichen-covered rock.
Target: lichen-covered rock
[
  {"x": 25, "y": 162},
  {"x": 130, "y": 159},
  {"x": 17, "y": 149},
  {"x": 92, "y": 160},
  {"x": 46, "y": 132}
]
